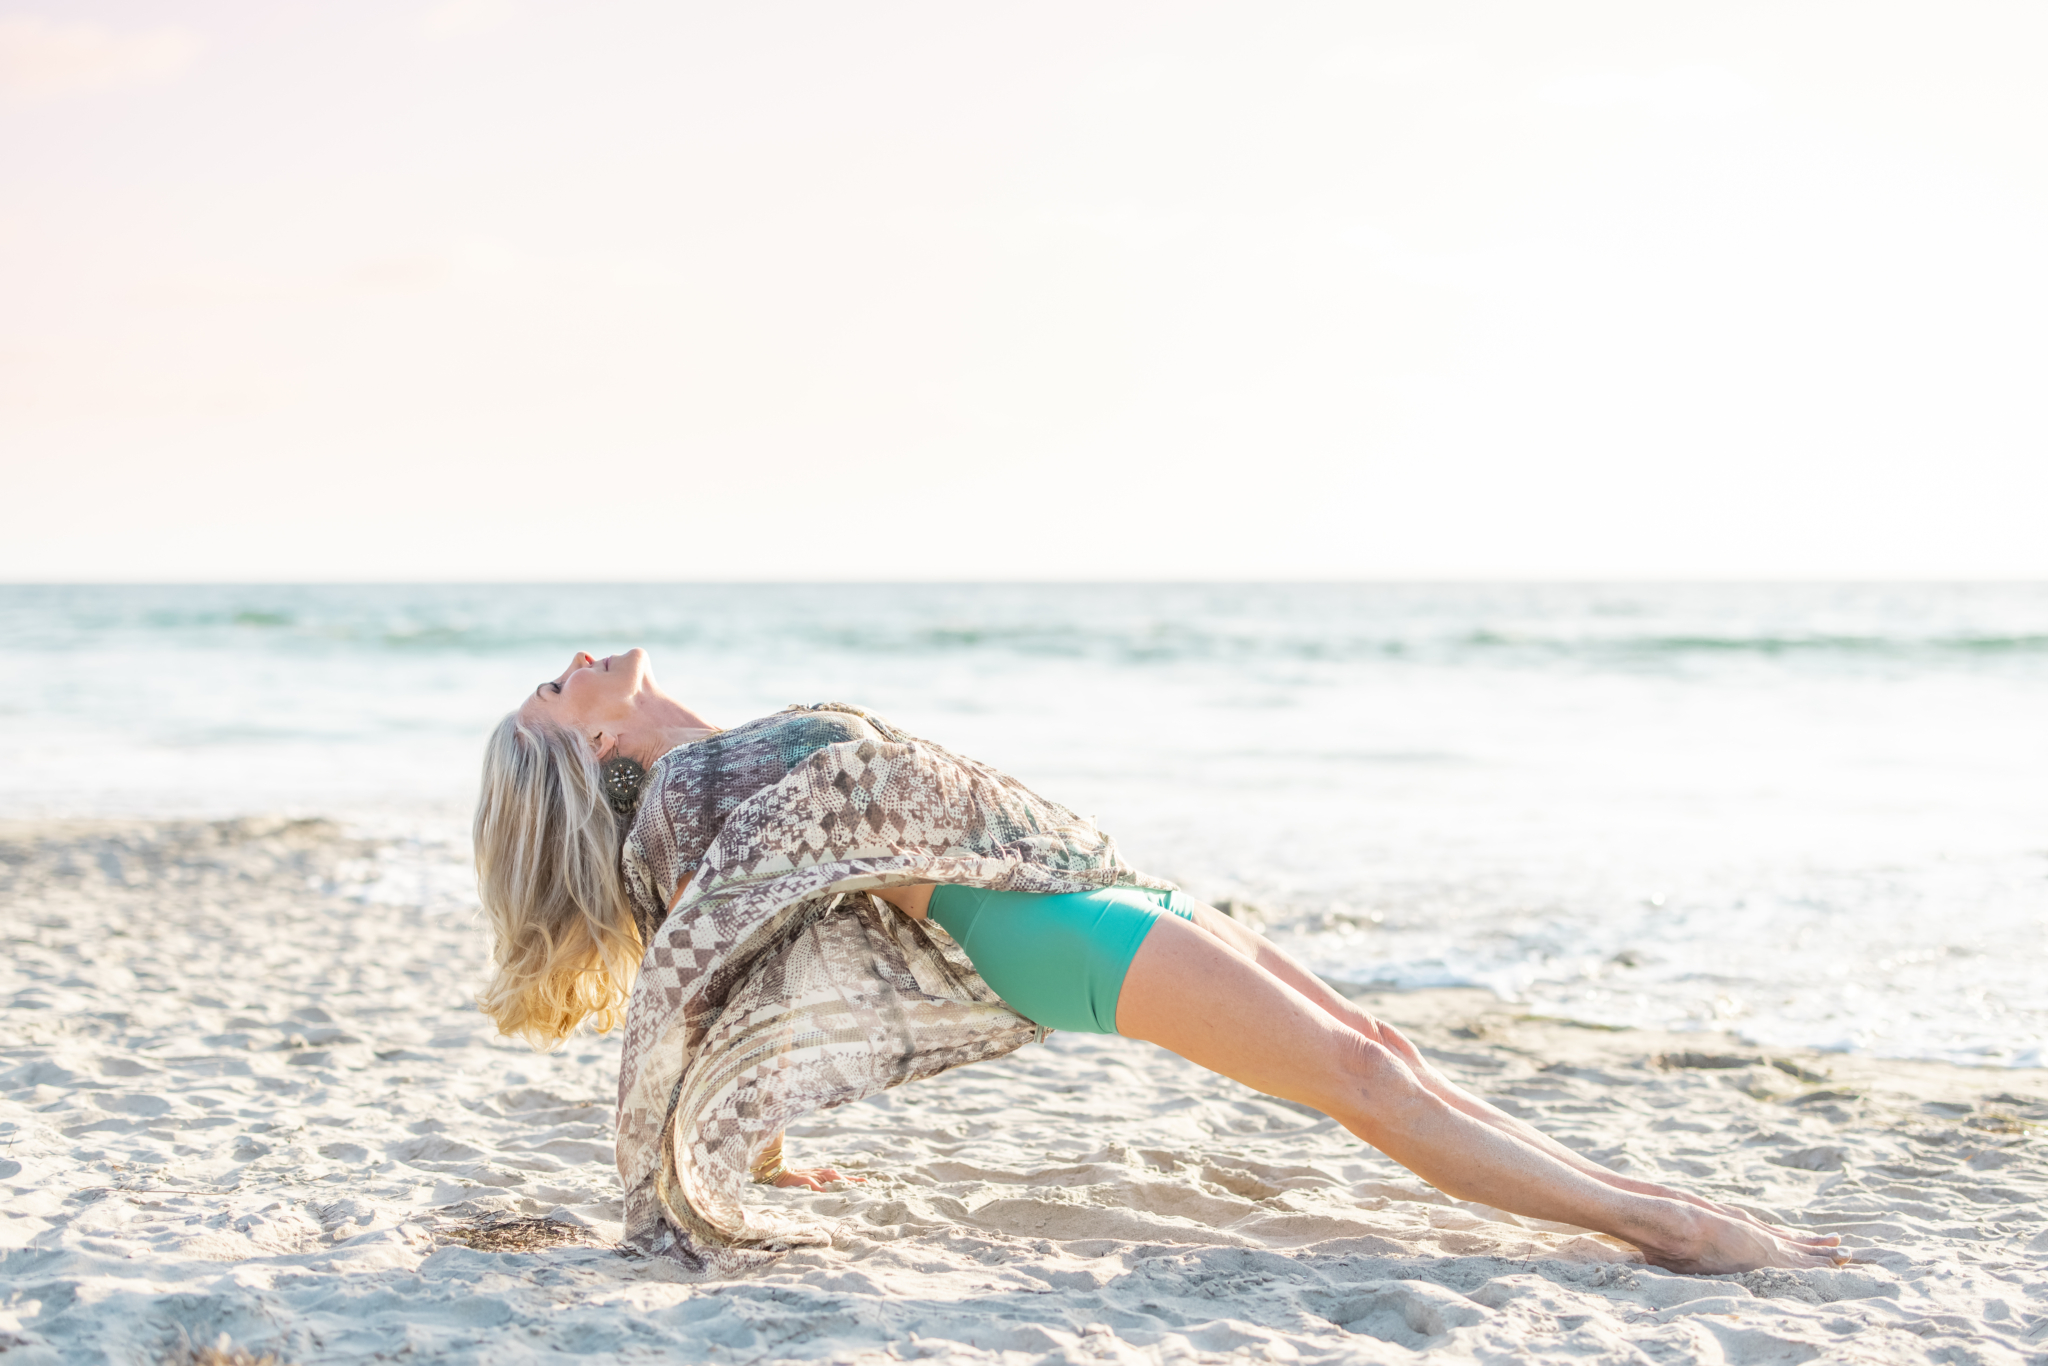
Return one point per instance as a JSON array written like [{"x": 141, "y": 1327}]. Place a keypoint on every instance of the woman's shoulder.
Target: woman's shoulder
[
  {"x": 860, "y": 723},
  {"x": 784, "y": 728},
  {"x": 808, "y": 728},
  {"x": 797, "y": 730},
  {"x": 782, "y": 739}
]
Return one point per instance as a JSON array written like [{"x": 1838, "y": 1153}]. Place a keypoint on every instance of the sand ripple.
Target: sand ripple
[{"x": 243, "y": 1091}]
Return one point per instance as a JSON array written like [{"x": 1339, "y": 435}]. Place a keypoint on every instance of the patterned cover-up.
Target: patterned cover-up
[{"x": 777, "y": 987}]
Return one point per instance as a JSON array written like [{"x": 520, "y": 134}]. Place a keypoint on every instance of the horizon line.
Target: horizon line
[{"x": 1390, "y": 580}]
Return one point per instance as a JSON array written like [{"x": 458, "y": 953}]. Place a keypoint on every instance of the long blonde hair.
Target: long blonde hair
[{"x": 563, "y": 938}]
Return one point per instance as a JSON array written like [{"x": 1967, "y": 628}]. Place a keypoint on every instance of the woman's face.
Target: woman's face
[{"x": 596, "y": 698}]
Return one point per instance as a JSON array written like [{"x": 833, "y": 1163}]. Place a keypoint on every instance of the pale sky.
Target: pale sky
[{"x": 508, "y": 289}]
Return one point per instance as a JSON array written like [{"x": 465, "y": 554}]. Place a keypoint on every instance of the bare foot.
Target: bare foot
[
  {"x": 1704, "y": 1242},
  {"x": 1790, "y": 1235},
  {"x": 1743, "y": 1216}
]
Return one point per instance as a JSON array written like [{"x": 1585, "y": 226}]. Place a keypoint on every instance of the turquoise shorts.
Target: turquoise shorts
[{"x": 1059, "y": 961}]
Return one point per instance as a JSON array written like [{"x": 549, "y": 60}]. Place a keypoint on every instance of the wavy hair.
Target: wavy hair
[{"x": 564, "y": 943}]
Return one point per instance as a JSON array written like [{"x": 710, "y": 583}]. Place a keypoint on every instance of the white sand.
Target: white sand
[{"x": 235, "y": 1099}]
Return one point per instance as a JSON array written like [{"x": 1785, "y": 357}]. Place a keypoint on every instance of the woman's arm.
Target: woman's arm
[
  {"x": 769, "y": 1171},
  {"x": 768, "y": 1168}
]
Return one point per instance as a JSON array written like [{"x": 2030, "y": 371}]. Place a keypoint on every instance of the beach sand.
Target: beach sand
[{"x": 244, "y": 1092}]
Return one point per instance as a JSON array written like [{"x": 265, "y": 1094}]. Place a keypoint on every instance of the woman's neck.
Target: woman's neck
[{"x": 670, "y": 724}]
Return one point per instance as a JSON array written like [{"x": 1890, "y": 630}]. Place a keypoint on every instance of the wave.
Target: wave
[
  {"x": 1778, "y": 644},
  {"x": 1136, "y": 625}
]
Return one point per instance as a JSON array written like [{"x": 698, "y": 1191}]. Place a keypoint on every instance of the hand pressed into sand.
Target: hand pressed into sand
[{"x": 814, "y": 1178}]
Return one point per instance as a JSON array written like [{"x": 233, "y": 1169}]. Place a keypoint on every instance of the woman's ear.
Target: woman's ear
[{"x": 605, "y": 745}]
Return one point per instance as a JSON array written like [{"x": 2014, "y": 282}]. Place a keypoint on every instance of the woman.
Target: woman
[{"x": 736, "y": 872}]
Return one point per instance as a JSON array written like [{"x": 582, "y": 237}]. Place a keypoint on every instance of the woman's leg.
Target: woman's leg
[
  {"x": 1258, "y": 949},
  {"x": 1270, "y": 956},
  {"x": 1190, "y": 991}
]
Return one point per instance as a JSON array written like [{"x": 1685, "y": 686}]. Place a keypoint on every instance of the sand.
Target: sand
[{"x": 243, "y": 1093}]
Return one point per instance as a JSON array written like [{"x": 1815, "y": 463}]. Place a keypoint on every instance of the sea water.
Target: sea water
[{"x": 1811, "y": 815}]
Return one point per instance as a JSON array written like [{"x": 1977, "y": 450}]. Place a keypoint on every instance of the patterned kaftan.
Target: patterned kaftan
[{"x": 777, "y": 987}]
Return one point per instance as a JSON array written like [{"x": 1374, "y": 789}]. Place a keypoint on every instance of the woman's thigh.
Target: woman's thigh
[
  {"x": 1193, "y": 993},
  {"x": 1256, "y": 948},
  {"x": 1234, "y": 935}
]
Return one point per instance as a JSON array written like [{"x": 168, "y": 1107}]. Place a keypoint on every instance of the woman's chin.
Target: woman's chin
[{"x": 639, "y": 669}]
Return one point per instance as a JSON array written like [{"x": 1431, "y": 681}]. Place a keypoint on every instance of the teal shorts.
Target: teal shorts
[{"x": 1059, "y": 961}]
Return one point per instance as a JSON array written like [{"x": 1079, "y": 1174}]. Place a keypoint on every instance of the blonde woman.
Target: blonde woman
[{"x": 614, "y": 821}]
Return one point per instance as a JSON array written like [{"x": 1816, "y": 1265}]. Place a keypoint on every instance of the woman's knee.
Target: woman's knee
[{"x": 1374, "y": 1081}]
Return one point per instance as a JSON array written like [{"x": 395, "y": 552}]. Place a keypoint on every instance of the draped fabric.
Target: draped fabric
[
  {"x": 777, "y": 987},
  {"x": 693, "y": 790}
]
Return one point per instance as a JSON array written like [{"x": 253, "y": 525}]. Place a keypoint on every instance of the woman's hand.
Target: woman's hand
[{"x": 812, "y": 1178}]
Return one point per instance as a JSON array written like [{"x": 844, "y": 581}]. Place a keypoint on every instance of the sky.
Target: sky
[{"x": 506, "y": 289}]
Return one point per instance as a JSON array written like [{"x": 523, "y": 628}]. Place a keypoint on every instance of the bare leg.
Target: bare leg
[
  {"x": 1256, "y": 948},
  {"x": 1190, "y": 991}
]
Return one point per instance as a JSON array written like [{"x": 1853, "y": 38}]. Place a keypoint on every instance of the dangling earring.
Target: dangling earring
[{"x": 623, "y": 779}]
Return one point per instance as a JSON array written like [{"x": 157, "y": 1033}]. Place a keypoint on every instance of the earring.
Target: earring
[{"x": 623, "y": 779}]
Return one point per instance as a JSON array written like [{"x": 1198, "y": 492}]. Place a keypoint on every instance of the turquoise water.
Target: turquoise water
[{"x": 1815, "y": 815}]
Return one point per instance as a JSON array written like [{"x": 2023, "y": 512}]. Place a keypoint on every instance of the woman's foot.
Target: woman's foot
[
  {"x": 1740, "y": 1216},
  {"x": 1701, "y": 1242}
]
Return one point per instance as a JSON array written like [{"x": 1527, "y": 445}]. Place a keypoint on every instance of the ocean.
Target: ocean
[{"x": 1810, "y": 815}]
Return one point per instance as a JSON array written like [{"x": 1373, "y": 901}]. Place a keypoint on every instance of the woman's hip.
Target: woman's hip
[{"x": 1057, "y": 960}]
